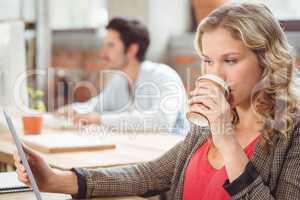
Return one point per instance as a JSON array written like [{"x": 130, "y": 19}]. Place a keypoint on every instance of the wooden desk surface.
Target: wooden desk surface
[
  {"x": 48, "y": 196},
  {"x": 130, "y": 149}
]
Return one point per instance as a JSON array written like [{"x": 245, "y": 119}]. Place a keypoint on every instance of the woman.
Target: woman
[{"x": 256, "y": 157}]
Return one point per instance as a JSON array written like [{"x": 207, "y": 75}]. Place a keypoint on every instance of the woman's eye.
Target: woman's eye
[{"x": 231, "y": 61}]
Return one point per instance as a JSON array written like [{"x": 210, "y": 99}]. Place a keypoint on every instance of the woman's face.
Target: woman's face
[{"x": 230, "y": 59}]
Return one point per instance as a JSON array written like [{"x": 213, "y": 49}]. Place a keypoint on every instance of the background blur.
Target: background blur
[{"x": 64, "y": 37}]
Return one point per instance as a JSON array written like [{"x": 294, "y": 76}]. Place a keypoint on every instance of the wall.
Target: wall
[
  {"x": 167, "y": 19},
  {"x": 130, "y": 8},
  {"x": 164, "y": 19},
  {"x": 12, "y": 9}
]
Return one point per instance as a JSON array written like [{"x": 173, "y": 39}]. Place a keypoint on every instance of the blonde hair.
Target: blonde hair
[{"x": 254, "y": 24}]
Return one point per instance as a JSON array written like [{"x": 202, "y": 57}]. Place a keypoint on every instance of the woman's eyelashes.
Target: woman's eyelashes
[{"x": 230, "y": 61}]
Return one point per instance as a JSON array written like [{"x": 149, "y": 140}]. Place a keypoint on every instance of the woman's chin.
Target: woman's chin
[{"x": 241, "y": 104}]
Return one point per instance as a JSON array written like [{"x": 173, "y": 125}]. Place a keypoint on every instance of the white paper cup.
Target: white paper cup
[{"x": 201, "y": 120}]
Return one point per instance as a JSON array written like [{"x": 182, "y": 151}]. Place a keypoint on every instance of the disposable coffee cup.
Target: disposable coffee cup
[{"x": 199, "y": 119}]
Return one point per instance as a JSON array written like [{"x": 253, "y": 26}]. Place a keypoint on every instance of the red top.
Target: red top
[{"x": 202, "y": 181}]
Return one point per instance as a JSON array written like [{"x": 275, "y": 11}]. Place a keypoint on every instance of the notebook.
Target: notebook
[
  {"x": 60, "y": 143},
  {"x": 9, "y": 183}
]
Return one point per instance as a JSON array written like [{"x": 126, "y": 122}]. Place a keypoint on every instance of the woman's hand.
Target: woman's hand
[
  {"x": 41, "y": 170},
  {"x": 47, "y": 179},
  {"x": 208, "y": 100}
]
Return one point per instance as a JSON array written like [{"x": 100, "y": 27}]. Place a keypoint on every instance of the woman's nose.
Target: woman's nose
[{"x": 217, "y": 70}]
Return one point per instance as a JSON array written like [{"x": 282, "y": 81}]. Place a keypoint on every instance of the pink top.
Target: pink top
[{"x": 202, "y": 181}]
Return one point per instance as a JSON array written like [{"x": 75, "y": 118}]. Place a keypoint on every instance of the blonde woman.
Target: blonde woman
[{"x": 257, "y": 157}]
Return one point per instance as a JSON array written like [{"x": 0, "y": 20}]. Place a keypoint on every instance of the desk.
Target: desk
[
  {"x": 132, "y": 148},
  {"x": 48, "y": 196}
]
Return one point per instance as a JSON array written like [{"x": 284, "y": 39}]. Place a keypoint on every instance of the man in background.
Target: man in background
[{"x": 142, "y": 94}]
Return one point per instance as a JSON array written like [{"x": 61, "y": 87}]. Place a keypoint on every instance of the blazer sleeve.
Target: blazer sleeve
[
  {"x": 144, "y": 179},
  {"x": 250, "y": 184}
]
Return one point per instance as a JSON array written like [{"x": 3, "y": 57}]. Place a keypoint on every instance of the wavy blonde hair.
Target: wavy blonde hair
[{"x": 274, "y": 98}]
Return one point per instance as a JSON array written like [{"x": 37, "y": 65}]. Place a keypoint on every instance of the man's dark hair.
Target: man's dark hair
[{"x": 131, "y": 32}]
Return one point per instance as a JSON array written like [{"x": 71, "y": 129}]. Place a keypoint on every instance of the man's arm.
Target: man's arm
[{"x": 167, "y": 103}]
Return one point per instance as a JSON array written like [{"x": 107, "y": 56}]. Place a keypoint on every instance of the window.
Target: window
[{"x": 78, "y": 14}]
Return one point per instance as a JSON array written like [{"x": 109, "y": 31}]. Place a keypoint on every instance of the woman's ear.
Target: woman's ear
[{"x": 133, "y": 50}]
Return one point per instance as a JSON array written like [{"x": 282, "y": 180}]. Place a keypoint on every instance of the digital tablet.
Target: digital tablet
[{"x": 22, "y": 156}]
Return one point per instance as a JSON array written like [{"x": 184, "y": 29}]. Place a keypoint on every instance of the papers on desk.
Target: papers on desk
[
  {"x": 58, "y": 143},
  {"x": 9, "y": 183}
]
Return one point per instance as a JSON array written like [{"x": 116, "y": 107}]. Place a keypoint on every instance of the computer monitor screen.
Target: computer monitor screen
[{"x": 13, "y": 84}]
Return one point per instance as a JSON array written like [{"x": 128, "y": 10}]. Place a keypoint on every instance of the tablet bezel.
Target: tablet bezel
[{"x": 23, "y": 156}]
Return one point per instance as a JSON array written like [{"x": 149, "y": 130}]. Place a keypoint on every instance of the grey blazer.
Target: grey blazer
[{"x": 272, "y": 175}]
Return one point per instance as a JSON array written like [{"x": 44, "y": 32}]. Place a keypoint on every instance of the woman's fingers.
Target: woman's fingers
[
  {"x": 203, "y": 86},
  {"x": 24, "y": 179},
  {"x": 31, "y": 155},
  {"x": 16, "y": 157},
  {"x": 198, "y": 90},
  {"x": 29, "y": 151},
  {"x": 200, "y": 94},
  {"x": 203, "y": 99},
  {"x": 207, "y": 107},
  {"x": 22, "y": 168},
  {"x": 22, "y": 174},
  {"x": 210, "y": 98},
  {"x": 21, "y": 171},
  {"x": 200, "y": 109},
  {"x": 198, "y": 106}
]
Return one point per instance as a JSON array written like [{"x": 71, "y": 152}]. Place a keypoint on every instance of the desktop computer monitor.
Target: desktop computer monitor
[{"x": 13, "y": 83}]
